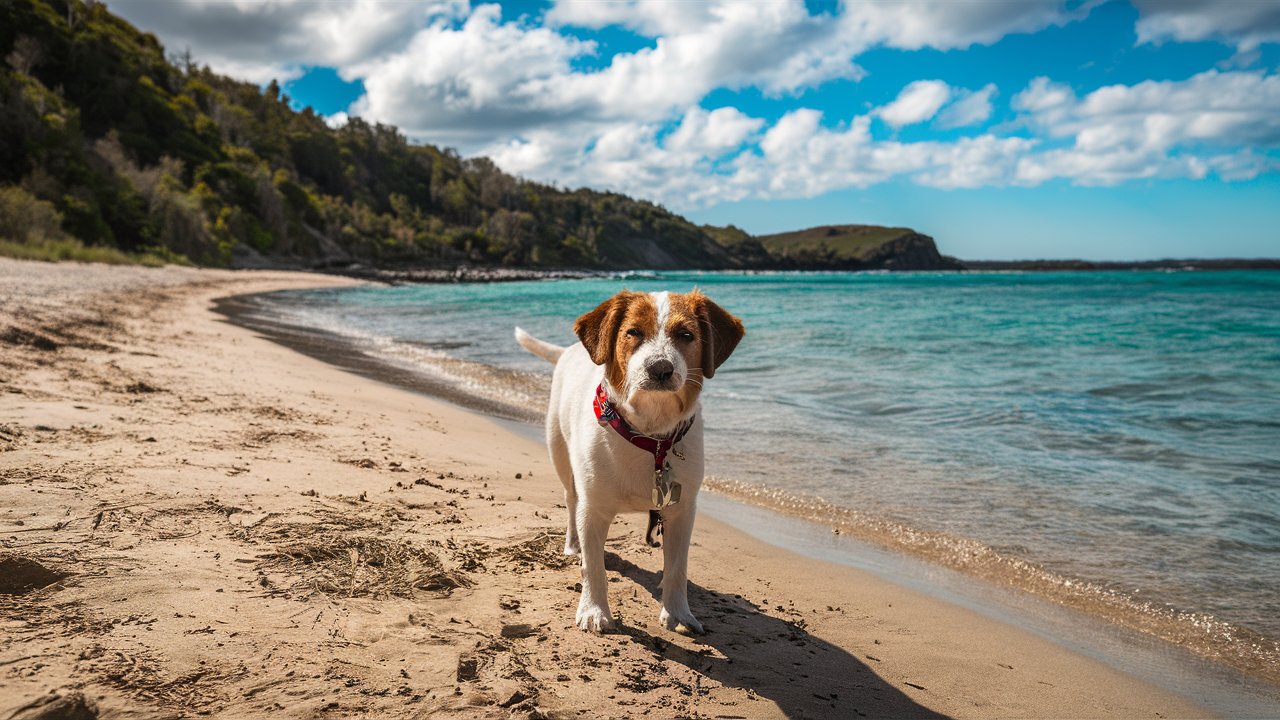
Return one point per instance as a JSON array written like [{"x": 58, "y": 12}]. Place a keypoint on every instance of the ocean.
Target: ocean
[{"x": 1109, "y": 440}]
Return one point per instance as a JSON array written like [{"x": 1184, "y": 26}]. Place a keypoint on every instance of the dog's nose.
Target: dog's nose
[{"x": 661, "y": 370}]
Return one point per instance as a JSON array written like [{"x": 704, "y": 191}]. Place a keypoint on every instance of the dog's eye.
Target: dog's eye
[
  {"x": 684, "y": 335},
  {"x": 635, "y": 332}
]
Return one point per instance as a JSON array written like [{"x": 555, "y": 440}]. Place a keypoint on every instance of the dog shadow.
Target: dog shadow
[{"x": 774, "y": 658}]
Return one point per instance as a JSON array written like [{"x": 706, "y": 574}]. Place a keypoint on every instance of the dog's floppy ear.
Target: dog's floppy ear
[
  {"x": 721, "y": 333},
  {"x": 599, "y": 328}
]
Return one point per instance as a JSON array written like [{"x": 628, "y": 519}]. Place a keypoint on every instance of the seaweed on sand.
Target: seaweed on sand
[{"x": 363, "y": 566}]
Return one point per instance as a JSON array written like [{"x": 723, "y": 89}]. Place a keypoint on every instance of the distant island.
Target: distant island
[
  {"x": 1166, "y": 264},
  {"x": 114, "y": 152}
]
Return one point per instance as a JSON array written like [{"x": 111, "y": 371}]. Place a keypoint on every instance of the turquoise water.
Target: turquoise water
[{"x": 1118, "y": 429}]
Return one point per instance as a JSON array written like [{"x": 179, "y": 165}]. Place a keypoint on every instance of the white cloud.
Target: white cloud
[
  {"x": 970, "y": 108},
  {"x": 712, "y": 133},
  {"x": 1152, "y": 129},
  {"x": 650, "y": 18},
  {"x": 951, "y": 24},
  {"x": 261, "y": 41},
  {"x": 1243, "y": 23},
  {"x": 1043, "y": 96},
  {"x": 802, "y": 158},
  {"x": 917, "y": 102},
  {"x": 462, "y": 86},
  {"x": 448, "y": 73},
  {"x": 1192, "y": 128},
  {"x": 1227, "y": 108},
  {"x": 432, "y": 87},
  {"x": 795, "y": 157}
]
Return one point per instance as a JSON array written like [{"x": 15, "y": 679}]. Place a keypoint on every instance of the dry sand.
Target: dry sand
[{"x": 194, "y": 520}]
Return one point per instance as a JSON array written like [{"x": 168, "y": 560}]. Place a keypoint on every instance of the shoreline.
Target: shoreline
[
  {"x": 139, "y": 457},
  {"x": 1197, "y": 636},
  {"x": 498, "y": 274}
]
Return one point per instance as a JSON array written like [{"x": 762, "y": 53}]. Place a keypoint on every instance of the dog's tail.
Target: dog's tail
[{"x": 545, "y": 350}]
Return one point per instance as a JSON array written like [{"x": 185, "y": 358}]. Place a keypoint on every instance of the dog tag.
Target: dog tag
[
  {"x": 673, "y": 493},
  {"x": 665, "y": 491}
]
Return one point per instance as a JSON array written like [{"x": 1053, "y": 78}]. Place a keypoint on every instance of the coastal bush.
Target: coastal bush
[{"x": 27, "y": 219}]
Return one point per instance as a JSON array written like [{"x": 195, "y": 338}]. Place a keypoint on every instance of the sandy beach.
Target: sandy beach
[{"x": 197, "y": 521}]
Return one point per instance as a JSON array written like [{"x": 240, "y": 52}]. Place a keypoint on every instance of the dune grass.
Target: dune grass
[{"x": 72, "y": 250}]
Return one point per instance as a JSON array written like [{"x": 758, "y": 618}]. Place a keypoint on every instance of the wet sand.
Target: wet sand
[{"x": 196, "y": 520}]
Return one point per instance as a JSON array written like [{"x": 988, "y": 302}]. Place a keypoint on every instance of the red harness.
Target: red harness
[{"x": 664, "y": 493}]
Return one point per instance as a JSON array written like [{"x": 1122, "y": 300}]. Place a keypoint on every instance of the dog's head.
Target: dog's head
[{"x": 659, "y": 342}]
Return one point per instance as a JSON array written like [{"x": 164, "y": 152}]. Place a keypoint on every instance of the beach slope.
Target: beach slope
[{"x": 196, "y": 520}]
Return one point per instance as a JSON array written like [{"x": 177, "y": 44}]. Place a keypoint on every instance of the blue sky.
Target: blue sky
[{"x": 1004, "y": 128}]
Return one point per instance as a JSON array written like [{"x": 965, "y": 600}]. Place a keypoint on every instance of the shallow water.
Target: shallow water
[{"x": 1110, "y": 436}]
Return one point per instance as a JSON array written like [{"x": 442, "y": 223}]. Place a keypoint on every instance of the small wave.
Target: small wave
[
  {"x": 1129, "y": 390},
  {"x": 1201, "y": 633},
  {"x": 437, "y": 345},
  {"x": 513, "y": 394}
]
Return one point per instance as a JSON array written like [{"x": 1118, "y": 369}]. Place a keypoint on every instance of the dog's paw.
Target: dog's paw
[
  {"x": 594, "y": 619},
  {"x": 571, "y": 547},
  {"x": 682, "y": 622}
]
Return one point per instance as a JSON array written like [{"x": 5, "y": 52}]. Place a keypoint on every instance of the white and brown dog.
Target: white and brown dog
[{"x": 625, "y": 431}]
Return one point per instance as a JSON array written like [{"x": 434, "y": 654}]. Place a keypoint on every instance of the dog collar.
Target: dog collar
[
  {"x": 607, "y": 414},
  {"x": 665, "y": 491}
]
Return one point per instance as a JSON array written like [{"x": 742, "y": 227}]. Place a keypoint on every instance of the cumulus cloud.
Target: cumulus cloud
[
  {"x": 797, "y": 156},
  {"x": 259, "y": 41},
  {"x": 1213, "y": 123},
  {"x": 449, "y": 73},
  {"x": 650, "y": 18},
  {"x": 952, "y": 24},
  {"x": 801, "y": 158},
  {"x": 712, "y": 133},
  {"x": 1243, "y": 23},
  {"x": 460, "y": 86},
  {"x": 970, "y": 108},
  {"x": 431, "y": 86},
  {"x": 917, "y": 102},
  {"x": 1152, "y": 129}
]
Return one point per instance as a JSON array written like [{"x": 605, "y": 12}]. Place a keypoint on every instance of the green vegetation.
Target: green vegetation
[
  {"x": 832, "y": 242},
  {"x": 855, "y": 247},
  {"x": 35, "y": 227},
  {"x": 111, "y": 151},
  {"x": 60, "y": 250},
  {"x": 134, "y": 153}
]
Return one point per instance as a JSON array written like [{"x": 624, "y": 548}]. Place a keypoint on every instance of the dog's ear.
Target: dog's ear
[
  {"x": 598, "y": 329},
  {"x": 721, "y": 333}
]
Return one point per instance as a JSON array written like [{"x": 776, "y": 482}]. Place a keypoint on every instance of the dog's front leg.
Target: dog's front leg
[
  {"x": 677, "y": 532},
  {"x": 593, "y": 606}
]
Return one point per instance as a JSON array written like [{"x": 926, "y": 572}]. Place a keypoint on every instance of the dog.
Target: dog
[{"x": 624, "y": 429}]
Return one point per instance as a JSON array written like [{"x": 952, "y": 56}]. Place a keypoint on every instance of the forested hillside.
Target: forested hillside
[{"x": 107, "y": 142}]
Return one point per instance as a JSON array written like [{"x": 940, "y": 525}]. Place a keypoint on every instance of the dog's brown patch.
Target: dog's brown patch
[
  {"x": 720, "y": 332},
  {"x": 701, "y": 330}
]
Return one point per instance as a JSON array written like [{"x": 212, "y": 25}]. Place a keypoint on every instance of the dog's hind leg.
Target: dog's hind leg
[
  {"x": 560, "y": 459},
  {"x": 593, "y": 606},
  {"x": 677, "y": 533}
]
